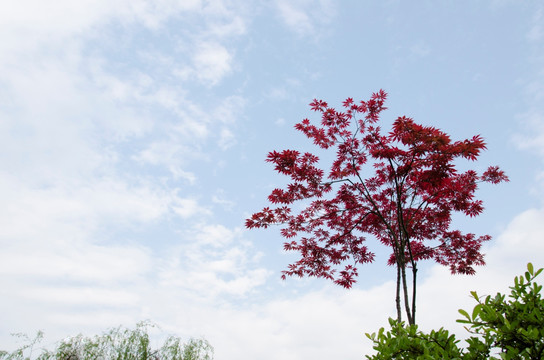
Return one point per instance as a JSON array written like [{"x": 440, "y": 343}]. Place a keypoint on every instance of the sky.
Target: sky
[{"x": 133, "y": 135}]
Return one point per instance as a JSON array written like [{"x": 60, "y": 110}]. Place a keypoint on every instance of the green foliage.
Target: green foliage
[
  {"x": 116, "y": 344},
  {"x": 407, "y": 342},
  {"x": 27, "y": 347},
  {"x": 513, "y": 326},
  {"x": 503, "y": 329}
]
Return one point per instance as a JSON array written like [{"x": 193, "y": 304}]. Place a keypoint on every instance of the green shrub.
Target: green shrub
[
  {"x": 513, "y": 327},
  {"x": 502, "y": 328},
  {"x": 116, "y": 344},
  {"x": 407, "y": 342}
]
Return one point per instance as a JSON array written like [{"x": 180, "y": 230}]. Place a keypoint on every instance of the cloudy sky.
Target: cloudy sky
[{"x": 133, "y": 135}]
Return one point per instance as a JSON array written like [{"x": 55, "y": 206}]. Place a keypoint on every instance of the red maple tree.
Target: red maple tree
[{"x": 406, "y": 204}]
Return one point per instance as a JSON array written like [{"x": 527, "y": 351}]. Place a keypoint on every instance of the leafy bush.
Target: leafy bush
[
  {"x": 407, "y": 342},
  {"x": 118, "y": 343},
  {"x": 510, "y": 328},
  {"x": 514, "y": 326}
]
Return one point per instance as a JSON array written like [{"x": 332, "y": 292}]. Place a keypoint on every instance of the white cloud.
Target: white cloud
[
  {"x": 66, "y": 16},
  {"x": 533, "y": 137},
  {"x": 280, "y": 122},
  {"x": 236, "y": 26},
  {"x": 215, "y": 261},
  {"x": 419, "y": 50},
  {"x": 78, "y": 122},
  {"x": 306, "y": 17},
  {"x": 168, "y": 154},
  {"x": 279, "y": 93},
  {"x": 77, "y": 112},
  {"x": 295, "y": 17},
  {"x": 186, "y": 139},
  {"x": 229, "y": 110},
  {"x": 45, "y": 131},
  {"x": 31, "y": 25},
  {"x": 536, "y": 32},
  {"x": 212, "y": 62},
  {"x": 73, "y": 211},
  {"x": 44, "y": 260},
  {"x": 228, "y": 113},
  {"x": 118, "y": 201},
  {"x": 221, "y": 199},
  {"x": 226, "y": 139},
  {"x": 531, "y": 134},
  {"x": 215, "y": 235},
  {"x": 187, "y": 208},
  {"x": 130, "y": 282}
]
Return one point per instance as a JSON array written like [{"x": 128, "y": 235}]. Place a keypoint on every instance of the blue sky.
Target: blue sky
[{"x": 133, "y": 138}]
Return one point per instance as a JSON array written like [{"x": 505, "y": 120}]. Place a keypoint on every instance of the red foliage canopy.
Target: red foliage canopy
[{"x": 406, "y": 204}]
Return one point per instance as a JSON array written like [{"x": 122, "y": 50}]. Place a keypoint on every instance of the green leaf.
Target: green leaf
[
  {"x": 530, "y": 268},
  {"x": 476, "y": 312},
  {"x": 464, "y": 313}
]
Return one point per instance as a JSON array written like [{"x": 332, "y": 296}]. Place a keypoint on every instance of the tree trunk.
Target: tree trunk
[
  {"x": 414, "y": 277},
  {"x": 406, "y": 299},
  {"x": 397, "y": 298}
]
